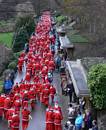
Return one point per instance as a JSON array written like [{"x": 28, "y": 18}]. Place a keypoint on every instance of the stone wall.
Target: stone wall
[
  {"x": 102, "y": 119},
  {"x": 10, "y": 8},
  {"x": 89, "y": 50},
  {"x": 5, "y": 54}
]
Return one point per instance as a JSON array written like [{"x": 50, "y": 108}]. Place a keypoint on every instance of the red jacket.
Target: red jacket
[
  {"x": 49, "y": 117},
  {"x": 10, "y": 113},
  {"x": 57, "y": 118},
  {"x": 28, "y": 76},
  {"x": 24, "y": 95},
  {"x": 46, "y": 93},
  {"x": 7, "y": 103},
  {"x": 17, "y": 105},
  {"x": 25, "y": 104},
  {"x": 52, "y": 90},
  {"x": 16, "y": 88},
  {"x": 16, "y": 97},
  {"x": 15, "y": 121},
  {"x": 22, "y": 86},
  {"x": 36, "y": 79},
  {"x": 37, "y": 66},
  {"x": 25, "y": 114},
  {"x": 2, "y": 98},
  {"x": 58, "y": 108},
  {"x": 32, "y": 94}
]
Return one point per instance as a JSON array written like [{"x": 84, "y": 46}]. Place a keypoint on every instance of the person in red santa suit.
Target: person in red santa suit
[
  {"x": 49, "y": 55},
  {"x": 16, "y": 97},
  {"x": 49, "y": 119},
  {"x": 20, "y": 64},
  {"x": 38, "y": 87},
  {"x": 22, "y": 54},
  {"x": 27, "y": 86},
  {"x": 28, "y": 77},
  {"x": 10, "y": 113},
  {"x": 2, "y": 98},
  {"x": 46, "y": 62},
  {"x": 25, "y": 118},
  {"x": 16, "y": 88},
  {"x": 15, "y": 122},
  {"x": 57, "y": 107},
  {"x": 57, "y": 120},
  {"x": 44, "y": 72},
  {"x": 7, "y": 105},
  {"x": 32, "y": 97},
  {"x": 37, "y": 67},
  {"x": 17, "y": 105},
  {"x": 25, "y": 103},
  {"x": 33, "y": 69},
  {"x": 46, "y": 93},
  {"x": 25, "y": 98},
  {"x": 22, "y": 86},
  {"x": 36, "y": 78},
  {"x": 51, "y": 65},
  {"x": 52, "y": 92},
  {"x": 41, "y": 93}
]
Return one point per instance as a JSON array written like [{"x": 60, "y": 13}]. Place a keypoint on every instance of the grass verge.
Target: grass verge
[
  {"x": 6, "y": 38},
  {"x": 1, "y": 86},
  {"x": 77, "y": 38}
]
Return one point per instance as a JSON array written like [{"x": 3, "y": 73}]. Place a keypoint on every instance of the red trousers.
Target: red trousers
[
  {"x": 49, "y": 126},
  {"x": 14, "y": 128},
  {"x": 24, "y": 125},
  {"x": 58, "y": 127}
]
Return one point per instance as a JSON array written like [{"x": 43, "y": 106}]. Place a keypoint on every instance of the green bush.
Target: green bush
[
  {"x": 27, "y": 22},
  {"x": 17, "y": 54},
  {"x": 20, "y": 39},
  {"x": 12, "y": 65},
  {"x": 23, "y": 29},
  {"x": 60, "y": 19},
  {"x": 6, "y": 38},
  {"x": 97, "y": 85}
]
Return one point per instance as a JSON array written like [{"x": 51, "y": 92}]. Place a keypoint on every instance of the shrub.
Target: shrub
[
  {"x": 12, "y": 65},
  {"x": 97, "y": 85},
  {"x": 23, "y": 29},
  {"x": 17, "y": 54},
  {"x": 20, "y": 39}
]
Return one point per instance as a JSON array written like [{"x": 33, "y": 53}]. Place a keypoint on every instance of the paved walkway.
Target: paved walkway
[{"x": 38, "y": 115}]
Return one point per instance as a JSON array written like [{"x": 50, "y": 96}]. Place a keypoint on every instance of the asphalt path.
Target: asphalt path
[{"x": 38, "y": 115}]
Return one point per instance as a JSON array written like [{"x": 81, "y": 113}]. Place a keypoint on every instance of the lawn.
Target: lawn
[
  {"x": 6, "y": 38},
  {"x": 77, "y": 38},
  {"x": 60, "y": 18}
]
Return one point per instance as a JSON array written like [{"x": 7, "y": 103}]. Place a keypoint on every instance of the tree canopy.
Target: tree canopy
[
  {"x": 97, "y": 85},
  {"x": 23, "y": 29}
]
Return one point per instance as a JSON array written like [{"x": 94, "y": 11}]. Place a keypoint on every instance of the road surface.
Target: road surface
[{"x": 38, "y": 115}]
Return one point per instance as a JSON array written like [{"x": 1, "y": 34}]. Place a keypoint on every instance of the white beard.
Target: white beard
[{"x": 56, "y": 106}]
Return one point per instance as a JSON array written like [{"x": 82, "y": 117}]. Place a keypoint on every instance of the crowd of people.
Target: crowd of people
[
  {"x": 79, "y": 117},
  {"x": 19, "y": 100},
  {"x": 41, "y": 56}
]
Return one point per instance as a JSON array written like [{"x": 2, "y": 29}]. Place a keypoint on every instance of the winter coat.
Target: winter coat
[{"x": 7, "y": 84}]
